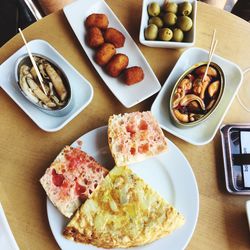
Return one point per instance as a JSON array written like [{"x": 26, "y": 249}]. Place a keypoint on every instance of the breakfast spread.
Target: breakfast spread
[
  {"x": 71, "y": 179},
  {"x": 106, "y": 40},
  {"x": 169, "y": 22},
  {"x": 193, "y": 97},
  {"x": 123, "y": 212},
  {"x": 57, "y": 89},
  {"x": 133, "y": 137}
]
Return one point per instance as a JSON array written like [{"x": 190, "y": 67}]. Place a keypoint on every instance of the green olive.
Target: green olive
[
  {"x": 154, "y": 9},
  {"x": 169, "y": 19},
  {"x": 151, "y": 32},
  {"x": 178, "y": 35},
  {"x": 185, "y": 23},
  {"x": 165, "y": 34},
  {"x": 185, "y": 8},
  {"x": 156, "y": 20},
  {"x": 170, "y": 7}
]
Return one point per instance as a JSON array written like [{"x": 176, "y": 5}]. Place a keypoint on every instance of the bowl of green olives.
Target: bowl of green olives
[{"x": 168, "y": 24}]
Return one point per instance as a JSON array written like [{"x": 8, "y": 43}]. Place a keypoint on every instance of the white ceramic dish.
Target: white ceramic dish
[
  {"x": 190, "y": 36},
  {"x": 129, "y": 96},
  {"x": 170, "y": 174},
  {"x": 204, "y": 132},
  {"x": 82, "y": 91}
]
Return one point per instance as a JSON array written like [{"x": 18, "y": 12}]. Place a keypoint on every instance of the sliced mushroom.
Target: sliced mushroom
[
  {"x": 213, "y": 88},
  {"x": 190, "y": 98},
  {"x": 39, "y": 93},
  {"x": 181, "y": 117},
  {"x": 57, "y": 81},
  {"x": 24, "y": 86},
  {"x": 211, "y": 71}
]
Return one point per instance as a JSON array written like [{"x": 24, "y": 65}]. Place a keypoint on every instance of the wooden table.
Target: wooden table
[{"x": 26, "y": 151}]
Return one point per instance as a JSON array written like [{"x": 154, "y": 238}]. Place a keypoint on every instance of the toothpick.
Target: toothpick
[
  {"x": 33, "y": 62},
  {"x": 209, "y": 60}
]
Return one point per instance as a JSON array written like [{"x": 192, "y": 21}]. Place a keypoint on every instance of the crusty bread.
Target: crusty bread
[
  {"x": 123, "y": 212},
  {"x": 133, "y": 137},
  {"x": 71, "y": 178}
]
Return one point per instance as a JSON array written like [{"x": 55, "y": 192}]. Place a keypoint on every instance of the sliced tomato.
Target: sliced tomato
[
  {"x": 57, "y": 178},
  {"x": 143, "y": 125},
  {"x": 80, "y": 190},
  {"x": 143, "y": 148},
  {"x": 132, "y": 151}
]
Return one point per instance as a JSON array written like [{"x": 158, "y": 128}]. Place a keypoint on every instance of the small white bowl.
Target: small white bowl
[{"x": 190, "y": 36}]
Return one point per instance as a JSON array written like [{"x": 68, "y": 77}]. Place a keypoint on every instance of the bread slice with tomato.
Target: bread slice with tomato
[
  {"x": 71, "y": 179},
  {"x": 135, "y": 136}
]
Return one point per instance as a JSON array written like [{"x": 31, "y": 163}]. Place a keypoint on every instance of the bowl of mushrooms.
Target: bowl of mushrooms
[
  {"x": 54, "y": 97},
  {"x": 195, "y": 96}
]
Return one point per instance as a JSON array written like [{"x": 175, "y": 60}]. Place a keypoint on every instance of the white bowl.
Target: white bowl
[
  {"x": 190, "y": 38},
  {"x": 204, "y": 132}
]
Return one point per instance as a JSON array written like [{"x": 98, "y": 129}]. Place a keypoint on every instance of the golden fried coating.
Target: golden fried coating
[
  {"x": 133, "y": 75},
  {"x": 104, "y": 54},
  {"x": 97, "y": 20},
  {"x": 115, "y": 37},
  {"x": 117, "y": 64},
  {"x": 94, "y": 37}
]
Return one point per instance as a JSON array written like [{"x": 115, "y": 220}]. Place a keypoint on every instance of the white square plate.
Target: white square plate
[
  {"x": 76, "y": 13},
  {"x": 190, "y": 36},
  {"x": 205, "y": 131},
  {"x": 82, "y": 91}
]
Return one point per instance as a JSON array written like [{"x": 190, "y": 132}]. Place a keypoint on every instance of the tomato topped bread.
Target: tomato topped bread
[
  {"x": 123, "y": 212},
  {"x": 71, "y": 178},
  {"x": 135, "y": 136}
]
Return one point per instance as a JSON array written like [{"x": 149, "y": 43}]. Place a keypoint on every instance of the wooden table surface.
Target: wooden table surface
[{"x": 26, "y": 151}]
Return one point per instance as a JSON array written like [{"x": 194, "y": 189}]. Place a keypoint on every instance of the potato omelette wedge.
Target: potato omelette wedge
[{"x": 123, "y": 212}]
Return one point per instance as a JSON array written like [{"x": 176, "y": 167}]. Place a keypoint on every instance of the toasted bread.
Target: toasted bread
[
  {"x": 71, "y": 178},
  {"x": 133, "y": 137}
]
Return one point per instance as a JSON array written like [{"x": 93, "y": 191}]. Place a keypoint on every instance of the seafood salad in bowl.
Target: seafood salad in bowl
[
  {"x": 56, "y": 98},
  {"x": 195, "y": 97}
]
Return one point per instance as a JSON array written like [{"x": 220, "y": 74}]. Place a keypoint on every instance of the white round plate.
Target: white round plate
[{"x": 169, "y": 173}]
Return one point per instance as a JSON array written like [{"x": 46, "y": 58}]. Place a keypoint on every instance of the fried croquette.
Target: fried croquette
[
  {"x": 115, "y": 37},
  {"x": 104, "y": 54},
  {"x": 117, "y": 64},
  {"x": 133, "y": 75},
  {"x": 97, "y": 20},
  {"x": 94, "y": 37}
]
